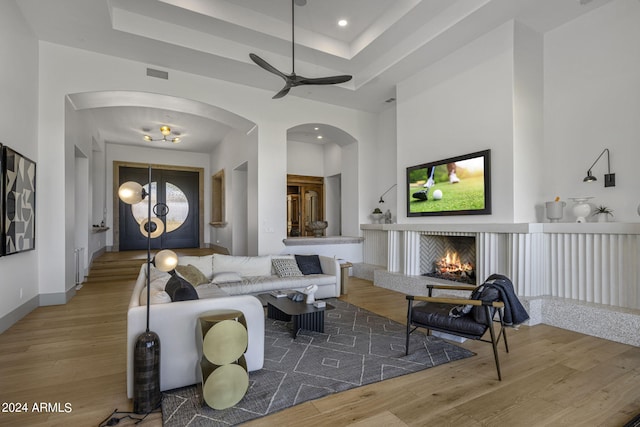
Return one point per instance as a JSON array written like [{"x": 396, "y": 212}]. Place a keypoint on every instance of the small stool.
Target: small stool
[{"x": 223, "y": 369}]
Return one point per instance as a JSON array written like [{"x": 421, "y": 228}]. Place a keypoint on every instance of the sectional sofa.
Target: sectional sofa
[{"x": 229, "y": 282}]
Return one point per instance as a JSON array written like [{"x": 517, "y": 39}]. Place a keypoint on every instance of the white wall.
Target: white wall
[
  {"x": 462, "y": 104},
  {"x": 592, "y": 102},
  {"x": 236, "y": 150},
  {"x": 305, "y": 158},
  {"x": 386, "y": 172},
  {"x": 18, "y": 121}
]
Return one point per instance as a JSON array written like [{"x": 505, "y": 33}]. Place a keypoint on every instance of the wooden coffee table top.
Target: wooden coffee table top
[{"x": 290, "y": 307}]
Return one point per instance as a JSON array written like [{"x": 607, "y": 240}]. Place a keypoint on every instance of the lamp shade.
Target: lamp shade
[
  {"x": 589, "y": 177},
  {"x": 166, "y": 260},
  {"x": 131, "y": 192},
  {"x": 156, "y": 225}
]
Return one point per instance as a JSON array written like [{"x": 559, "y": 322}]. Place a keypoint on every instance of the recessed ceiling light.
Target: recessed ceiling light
[
  {"x": 316, "y": 128},
  {"x": 319, "y": 136},
  {"x": 343, "y": 23}
]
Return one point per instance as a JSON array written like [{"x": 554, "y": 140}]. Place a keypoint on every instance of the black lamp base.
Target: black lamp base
[{"x": 146, "y": 373}]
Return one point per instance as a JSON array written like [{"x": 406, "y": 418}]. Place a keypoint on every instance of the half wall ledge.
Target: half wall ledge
[{"x": 325, "y": 240}]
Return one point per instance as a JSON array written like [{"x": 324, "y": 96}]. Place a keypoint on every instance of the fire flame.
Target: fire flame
[{"x": 451, "y": 263}]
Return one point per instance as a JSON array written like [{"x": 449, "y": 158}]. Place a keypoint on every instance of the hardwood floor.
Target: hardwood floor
[{"x": 75, "y": 354}]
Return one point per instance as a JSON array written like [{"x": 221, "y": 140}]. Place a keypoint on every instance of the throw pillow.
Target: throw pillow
[
  {"x": 180, "y": 290},
  {"x": 158, "y": 294},
  {"x": 226, "y": 277},
  {"x": 309, "y": 264},
  {"x": 191, "y": 274},
  {"x": 286, "y": 267}
]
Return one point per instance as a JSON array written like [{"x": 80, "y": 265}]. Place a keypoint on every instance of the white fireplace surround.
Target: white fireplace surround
[{"x": 584, "y": 277}]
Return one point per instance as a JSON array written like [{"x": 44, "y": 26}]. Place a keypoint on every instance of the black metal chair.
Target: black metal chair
[{"x": 433, "y": 313}]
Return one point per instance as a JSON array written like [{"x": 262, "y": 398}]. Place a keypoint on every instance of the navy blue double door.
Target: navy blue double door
[{"x": 174, "y": 202}]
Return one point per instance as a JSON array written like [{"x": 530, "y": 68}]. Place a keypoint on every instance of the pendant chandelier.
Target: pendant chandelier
[{"x": 165, "y": 131}]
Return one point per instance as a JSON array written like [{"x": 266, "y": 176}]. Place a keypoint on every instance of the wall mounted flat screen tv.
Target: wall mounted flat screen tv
[{"x": 456, "y": 186}]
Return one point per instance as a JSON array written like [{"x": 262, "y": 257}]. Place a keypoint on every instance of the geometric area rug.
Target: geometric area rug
[{"x": 357, "y": 348}]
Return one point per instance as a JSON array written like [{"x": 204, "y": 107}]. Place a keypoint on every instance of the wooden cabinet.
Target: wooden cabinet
[{"x": 305, "y": 203}]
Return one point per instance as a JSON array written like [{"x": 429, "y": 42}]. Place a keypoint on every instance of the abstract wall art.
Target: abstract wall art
[{"x": 19, "y": 202}]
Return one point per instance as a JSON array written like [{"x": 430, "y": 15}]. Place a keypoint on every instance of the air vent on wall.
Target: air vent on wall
[{"x": 158, "y": 73}]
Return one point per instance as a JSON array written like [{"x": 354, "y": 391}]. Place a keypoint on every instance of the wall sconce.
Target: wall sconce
[
  {"x": 609, "y": 178},
  {"x": 381, "y": 199}
]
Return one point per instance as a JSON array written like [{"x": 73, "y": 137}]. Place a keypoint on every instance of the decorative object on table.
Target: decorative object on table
[
  {"x": 318, "y": 227},
  {"x": 18, "y": 202},
  {"x": 309, "y": 293},
  {"x": 376, "y": 215},
  {"x": 581, "y": 209},
  {"x": 326, "y": 365},
  {"x": 381, "y": 199},
  {"x": 609, "y": 178},
  {"x": 223, "y": 369},
  {"x": 165, "y": 131},
  {"x": 602, "y": 213},
  {"x": 293, "y": 80},
  {"x": 146, "y": 353},
  {"x": 555, "y": 209},
  {"x": 387, "y": 217}
]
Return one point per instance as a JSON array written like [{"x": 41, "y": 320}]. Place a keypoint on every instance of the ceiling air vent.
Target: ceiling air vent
[{"x": 158, "y": 74}]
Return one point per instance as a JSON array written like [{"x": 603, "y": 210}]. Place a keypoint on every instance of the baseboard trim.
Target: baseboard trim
[
  {"x": 57, "y": 298},
  {"x": 11, "y": 318}
]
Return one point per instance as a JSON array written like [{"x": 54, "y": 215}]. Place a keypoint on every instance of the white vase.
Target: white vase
[
  {"x": 581, "y": 209},
  {"x": 603, "y": 217},
  {"x": 554, "y": 210}
]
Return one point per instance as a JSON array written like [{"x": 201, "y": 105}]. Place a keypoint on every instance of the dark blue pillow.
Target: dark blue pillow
[
  {"x": 180, "y": 290},
  {"x": 309, "y": 264}
]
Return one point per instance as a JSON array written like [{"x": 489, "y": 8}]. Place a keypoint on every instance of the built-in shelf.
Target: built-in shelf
[
  {"x": 218, "y": 224},
  {"x": 325, "y": 240},
  {"x": 99, "y": 229}
]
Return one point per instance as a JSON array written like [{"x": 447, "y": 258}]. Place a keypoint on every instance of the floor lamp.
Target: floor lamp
[{"x": 146, "y": 354}]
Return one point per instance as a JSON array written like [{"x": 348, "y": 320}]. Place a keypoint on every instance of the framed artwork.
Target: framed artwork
[
  {"x": 1, "y": 198},
  {"x": 18, "y": 202}
]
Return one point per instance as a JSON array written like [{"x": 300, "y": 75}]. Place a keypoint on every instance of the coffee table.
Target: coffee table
[{"x": 304, "y": 316}]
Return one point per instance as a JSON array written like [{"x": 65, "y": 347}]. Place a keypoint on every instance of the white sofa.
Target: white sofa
[{"x": 175, "y": 322}]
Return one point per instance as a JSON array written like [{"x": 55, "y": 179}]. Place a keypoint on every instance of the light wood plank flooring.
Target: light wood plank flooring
[{"x": 75, "y": 354}]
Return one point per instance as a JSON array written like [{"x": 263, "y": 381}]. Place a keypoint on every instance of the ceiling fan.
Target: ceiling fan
[{"x": 293, "y": 80}]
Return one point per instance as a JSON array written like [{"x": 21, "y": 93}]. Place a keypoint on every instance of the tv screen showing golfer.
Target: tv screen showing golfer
[{"x": 456, "y": 186}]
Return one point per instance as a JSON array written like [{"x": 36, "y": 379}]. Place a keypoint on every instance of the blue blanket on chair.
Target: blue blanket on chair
[{"x": 514, "y": 312}]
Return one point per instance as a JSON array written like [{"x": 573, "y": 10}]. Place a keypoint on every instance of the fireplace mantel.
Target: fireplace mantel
[{"x": 558, "y": 227}]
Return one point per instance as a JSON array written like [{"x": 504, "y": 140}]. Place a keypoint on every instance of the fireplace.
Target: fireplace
[{"x": 450, "y": 258}]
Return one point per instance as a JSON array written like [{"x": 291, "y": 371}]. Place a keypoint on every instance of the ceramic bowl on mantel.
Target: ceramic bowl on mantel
[
  {"x": 582, "y": 208},
  {"x": 318, "y": 227}
]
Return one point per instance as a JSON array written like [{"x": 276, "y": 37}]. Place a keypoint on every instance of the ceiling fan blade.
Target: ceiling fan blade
[
  {"x": 324, "y": 80},
  {"x": 282, "y": 93},
  {"x": 264, "y": 64}
]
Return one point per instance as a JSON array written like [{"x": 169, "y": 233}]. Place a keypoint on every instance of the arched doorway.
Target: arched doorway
[{"x": 323, "y": 155}]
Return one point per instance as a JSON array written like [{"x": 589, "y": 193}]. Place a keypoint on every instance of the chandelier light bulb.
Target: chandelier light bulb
[
  {"x": 165, "y": 130},
  {"x": 166, "y": 260},
  {"x": 131, "y": 192}
]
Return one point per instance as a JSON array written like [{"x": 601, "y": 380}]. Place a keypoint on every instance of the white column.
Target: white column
[
  {"x": 393, "y": 251},
  {"x": 411, "y": 253}
]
